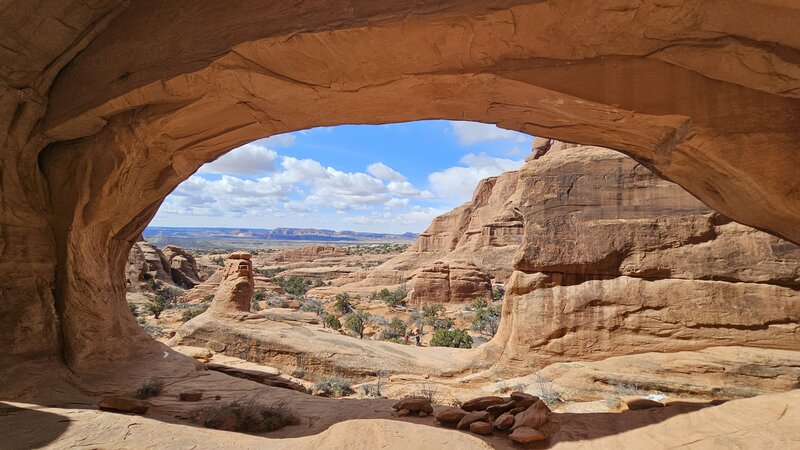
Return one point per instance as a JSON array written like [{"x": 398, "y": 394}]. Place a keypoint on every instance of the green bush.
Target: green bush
[
  {"x": 134, "y": 309},
  {"x": 191, "y": 313},
  {"x": 479, "y": 303},
  {"x": 312, "y": 305},
  {"x": 342, "y": 303},
  {"x": 443, "y": 324},
  {"x": 395, "y": 329},
  {"x": 487, "y": 320},
  {"x": 431, "y": 312},
  {"x": 356, "y": 322},
  {"x": 294, "y": 285},
  {"x": 331, "y": 322},
  {"x": 159, "y": 304},
  {"x": 332, "y": 386},
  {"x": 208, "y": 298},
  {"x": 498, "y": 291},
  {"x": 259, "y": 295},
  {"x": 392, "y": 298},
  {"x": 451, "y": 338}
]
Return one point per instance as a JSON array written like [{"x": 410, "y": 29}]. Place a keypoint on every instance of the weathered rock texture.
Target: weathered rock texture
[
  {"x": 308, "y": 253},
  {"x": 235, "y": 292},
  {"x": 617, "y": 261},
  {"x": 173, "y": 265},
  {"x": 443, "y": 283},
  {"x": 106, "y": 107}
]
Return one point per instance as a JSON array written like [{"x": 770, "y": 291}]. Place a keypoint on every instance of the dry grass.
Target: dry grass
[{"x": 251, "y": 416}]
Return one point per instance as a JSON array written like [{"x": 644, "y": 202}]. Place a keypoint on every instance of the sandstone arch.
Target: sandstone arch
[{"x": 106, "y": 109}]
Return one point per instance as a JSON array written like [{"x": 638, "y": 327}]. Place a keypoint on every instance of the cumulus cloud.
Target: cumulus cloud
[
  {"x": 458, "y": 182},
  {"x": 250, "y": 159},
  {"x": 470, "y": 133},
  {"x": 417, "y": 217},
  {"x": 384, "y": 172}
]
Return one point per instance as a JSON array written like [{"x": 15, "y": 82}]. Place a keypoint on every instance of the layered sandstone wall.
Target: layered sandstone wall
[{"x": 618, "y": 261}]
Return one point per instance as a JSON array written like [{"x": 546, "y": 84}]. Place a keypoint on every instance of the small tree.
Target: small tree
[
  {"x": 443, "y": 324},
  {"x": 432, "y": 312},
  {"x": 343, "y": 303},
  {"x": 158, "y": 306},
  {"x": 259, "y": 295},
  {"x": 396, "y": 328},
  {"x": 487, "y": 320},
  {"x": 451, "y": 338},
  {"x": 393, "y": 298},
  {"x": 356, "y": 322},
  {"x": 331, "y": 322}
]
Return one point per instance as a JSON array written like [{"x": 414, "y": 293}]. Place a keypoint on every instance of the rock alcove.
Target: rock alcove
[{"x": 107, "y": 108}]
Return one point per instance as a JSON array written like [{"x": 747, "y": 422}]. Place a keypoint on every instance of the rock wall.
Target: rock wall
[{"x": 617, "y": 261}]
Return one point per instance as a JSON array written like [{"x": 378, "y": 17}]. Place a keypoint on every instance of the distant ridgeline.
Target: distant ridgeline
[{"x": 278, "y": 234}]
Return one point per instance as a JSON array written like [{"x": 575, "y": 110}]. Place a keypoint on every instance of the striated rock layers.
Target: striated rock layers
[
  {"x": 616, "y": 261},
  {"x": 308, "y": 253},
  {"x": 173, "y": 265}
]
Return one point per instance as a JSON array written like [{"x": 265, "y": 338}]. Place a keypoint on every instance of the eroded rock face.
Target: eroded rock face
[
  {"x": 235, "y": 292},
  {"x": 618, "y": 261},
  {"x": 308, "y": 253},
  {"x": 172, "y": 265},
  {"x": 444, "y": 283}
]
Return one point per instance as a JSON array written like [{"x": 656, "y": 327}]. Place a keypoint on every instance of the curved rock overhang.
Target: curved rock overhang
[{"x": 144, "y": 94}]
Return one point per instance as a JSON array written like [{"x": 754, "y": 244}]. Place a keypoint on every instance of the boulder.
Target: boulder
[
  {"x": 526, "y": 435},
  {"x": 534, "y": 416},
  {"x": 481, "y": 403},
  {"x": 496, "y": 410},
  {"x": 470, "y": 418},
  {"x": 124, "y": 405},
  {"x": 518, "y": 396},
  {"x": 450, "y": 416},
  {"x": 504, "y": 422},
  {"x": 480, "y": 428},
  {"x": 414, "y": 404}
]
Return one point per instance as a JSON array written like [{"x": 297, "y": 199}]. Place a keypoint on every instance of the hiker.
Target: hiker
[
  {"x": 406, "y": 336},
  {"x": 419, "y": 340}
]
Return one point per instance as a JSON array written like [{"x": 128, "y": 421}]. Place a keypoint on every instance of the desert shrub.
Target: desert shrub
[
  {"x": 319, "y": 283},
  {"x": 478, "y": 303},
  {"x": 451, "y": 338},
  {"x": 269, "y": 273},
  {"x": 399, "y": 340},
  {"x": 625, "y": 390},
  {"x": 159, "y": 304},
  {"x": 393, "y": 298},
  {"x": 333, "y": 386},
  {"x": 208, "y": 298},
  {"x": 487, "y": 320},
  {"x": 546, "y": 391},
  {"x": 342, "y": 303},
  {"x": 498, "y": 291},
  {"x": 432, "y": 312},
  {"x": 294, "y": 285},
  {"x": 150, "y": 388},
  {"x": 134, "y": 309},
  {"x": 520, "y": 387},
  {"x": 331, "y": 322},
  {"x": 428, "y": 391},
  {"x": 356, "y": 322},
  {"x": 371, "y": 390},
  {"x": 191, "y": 313},
  {"x": 312, "y": 305},
  {"x": 259, "y": 295},
  {"x": 254, "y": 306},
  {"x": 395, "y": 329},
  {"x": 217, "y": 260},
  {"x": 277, "y": 302},
  {"x": 443, "y": 324},
  {"x": 250, "y": 417}
]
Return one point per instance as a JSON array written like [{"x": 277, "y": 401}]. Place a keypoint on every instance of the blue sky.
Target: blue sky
[{"x": 381, "y": 178}]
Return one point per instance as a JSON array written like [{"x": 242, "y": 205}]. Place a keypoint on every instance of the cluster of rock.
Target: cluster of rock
[
  {"x": 523, "y": 417},
  {"x": 172, "y": 265}
]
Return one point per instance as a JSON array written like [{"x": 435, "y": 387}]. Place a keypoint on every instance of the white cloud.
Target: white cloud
[
  {"x": 396, "y": 202},
  {"x": 250, "y": 159},
  {"x": 457, "y": 183},
  {"x": 417, "y": 217},
  {"x": 384, "y": 172},
  {"x": 469, "y": 133}
]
